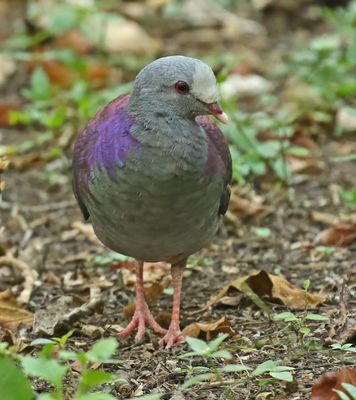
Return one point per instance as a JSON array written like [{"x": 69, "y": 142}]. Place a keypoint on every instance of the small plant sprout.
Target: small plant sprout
[
  {"x": 208, "y": 350},
  {"x": 53, "y": 367},
  {"x": 263, "y": 232},
  {"x": 347, "y": 350},
  {"x": 349, "y": 196},
  {"x": 211, "y": 353},
  {"x": 325, "y": 249},
  {"x": 274, "y": 370},
  {"x": 299, "y": 325},
  {"x": 347, "y": 347}
]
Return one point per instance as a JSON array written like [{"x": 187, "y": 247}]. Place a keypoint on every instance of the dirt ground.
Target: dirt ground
[{"x": 39, "y": 224}]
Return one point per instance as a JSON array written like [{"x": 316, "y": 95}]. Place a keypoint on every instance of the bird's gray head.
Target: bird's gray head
[{"x": 181, "y": 85}]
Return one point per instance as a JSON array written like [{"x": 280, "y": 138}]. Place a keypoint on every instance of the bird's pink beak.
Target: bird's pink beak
[{"x": 218, "y": 112}]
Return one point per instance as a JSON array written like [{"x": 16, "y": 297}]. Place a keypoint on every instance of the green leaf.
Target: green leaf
[
  {"x": 18, "y": 117},
  {"x": 345, "y": 158},
  {"x": 269, "y": 149},
  {"x": 47, "y": 350},
  {"x": 264, "y": 367},
  {"x": 40, "y": 87},
  {"x": 325, "y": 249},
  {"x": 194, "y": 380},
  {"x": 63, "y": 18},
  {"x": 349, "y": 196},
  {"x": 282, "y": 169},
  {"x": 325, "y": 43},
  {"x": 214, "y": 344},
  {"x": 69, "y": 355},
  {"x": 280, "y": 368},
  {"x": 56, "y": 119},
  {"x": 13, "y": 383},
  {"x": 350, "y": 388},
  {"x": 49, "y": 369},
  {"x": 41, "y": 341},
  {"x": 285, "y": 316},
  {"x": 102, "y": 350},
  {"x": 316, "y": 317},
  {"x": 155, "y": 396},
  {"x": 47, "y": 396},
  {"x": 234, "y": 368},
  {"x": 197, "y": 345},
  {"x": 168, "y": 291},
  {"x": 91, "y": 378},
  {"x": 222, "y": 354},
  {"x": 63, "y": 340},
  {"x": 263, "y": 232},
  {"x": 282, "y": 376},
  {"x": 108, "y": 259},
  {"x": 95, "y": 396},
  {"x": 298, "y": 151},
  {"x": 342, "y": 395},
  {"x": 304, "y": 330}
]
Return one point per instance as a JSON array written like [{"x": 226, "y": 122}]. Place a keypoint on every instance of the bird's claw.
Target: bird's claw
[
  {"x": 140, "y": 319},
  {"x": 173, "y": 335}
]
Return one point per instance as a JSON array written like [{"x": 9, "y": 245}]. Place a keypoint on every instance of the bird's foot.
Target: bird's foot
[
  {"x": 173, "y": 335},
  {"x": 140, "y": 319}
]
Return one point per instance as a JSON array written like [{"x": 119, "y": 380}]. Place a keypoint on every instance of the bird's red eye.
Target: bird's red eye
[{"x": 182, "y": 87}]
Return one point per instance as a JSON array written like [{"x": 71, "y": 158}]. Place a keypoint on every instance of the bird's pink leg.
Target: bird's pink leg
[
  {"x": 174, "y": 334},
  {"x": 142, "y": 315}
]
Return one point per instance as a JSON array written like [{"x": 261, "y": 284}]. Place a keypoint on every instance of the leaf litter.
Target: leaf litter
[{"x": 265, "y": 285}]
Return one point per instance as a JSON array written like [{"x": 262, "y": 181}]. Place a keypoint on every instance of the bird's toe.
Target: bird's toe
[{"x": 172, "y": 337}]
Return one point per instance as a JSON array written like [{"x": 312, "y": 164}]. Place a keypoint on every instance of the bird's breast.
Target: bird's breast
[{"x": 159, "y": 205}]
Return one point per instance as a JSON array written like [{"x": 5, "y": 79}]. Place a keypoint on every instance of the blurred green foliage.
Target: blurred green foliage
[{"x": 53, "y": 366}]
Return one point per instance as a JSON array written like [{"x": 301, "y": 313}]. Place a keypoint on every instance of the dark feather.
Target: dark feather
[{"x": 217, "y": 138}]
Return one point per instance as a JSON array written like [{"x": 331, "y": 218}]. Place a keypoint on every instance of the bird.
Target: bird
[{"x": 152, "y": 173}]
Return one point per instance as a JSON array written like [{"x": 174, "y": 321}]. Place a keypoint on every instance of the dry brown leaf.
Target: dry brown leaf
[
  {"x": 75, "y": 40},
  {"x": 274, "y": 287},
  {"x": 30, "y": 160},
  {"x": 129, "y": 310},
  {"x": 5, "y": 111},
  {"x": 58, "y": 73},
  {"x": 208, "y": 330},
  {"x": 302, "y": 140},
  {"x": 340, "y": 235},
  {"x": 307, "y": 165},
  {"x": 243, "y": 208},
  {"x": 153, "y": 293},
  {"x": 98, "y": 75},
  {"x": 11, "y": 314},
  {"x": 323, "y": 387}
]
